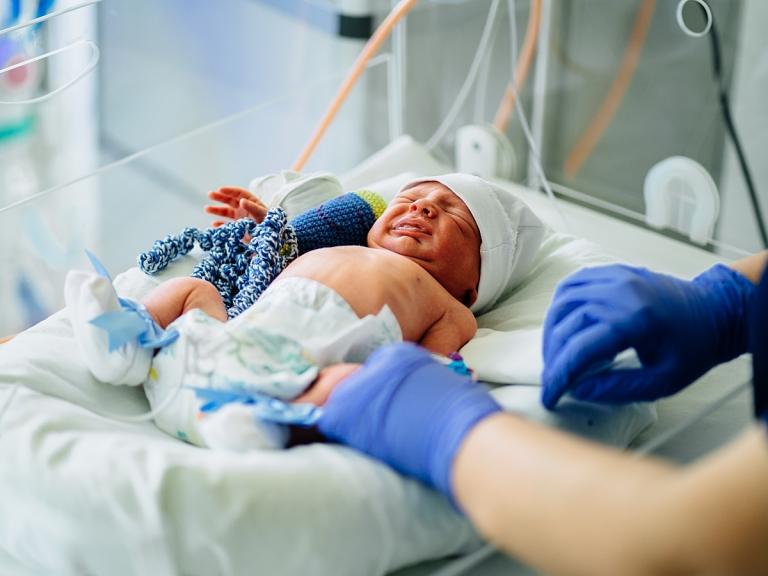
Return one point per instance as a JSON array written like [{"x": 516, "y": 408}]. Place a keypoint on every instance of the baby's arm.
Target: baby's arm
[
  {"x": 451, "y": 331},
  {"x": 179, "y": 295},
  {"x": 341, "y": 221}
]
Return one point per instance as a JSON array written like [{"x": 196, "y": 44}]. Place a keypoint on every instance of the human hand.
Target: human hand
[
  {"x": 235, "y": 203},
  {"x": 407, "y": 410},
  {"x": 679, "y": 329}
]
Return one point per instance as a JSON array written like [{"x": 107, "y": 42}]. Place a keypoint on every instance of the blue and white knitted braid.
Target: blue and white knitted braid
[
  {"x": 165, "y": 251},
  {"x": 240, "y": 272},
  {"x": 274, "y": 246}
]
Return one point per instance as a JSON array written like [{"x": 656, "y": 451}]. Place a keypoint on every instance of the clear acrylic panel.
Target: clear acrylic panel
[
  {"x": 188, "y": 96},
  {"x": 617, "y": 87},
  {"x": 183, "y": 98}
]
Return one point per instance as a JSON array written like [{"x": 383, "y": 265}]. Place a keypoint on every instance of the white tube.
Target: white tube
[
  {"x": 474, "y": 68},
  {"x": 534, "y": 160},
  {"x": 94, "y": 60}
]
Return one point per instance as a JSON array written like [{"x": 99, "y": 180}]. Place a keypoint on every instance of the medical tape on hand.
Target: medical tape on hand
[{"x": 264, "y": 407}]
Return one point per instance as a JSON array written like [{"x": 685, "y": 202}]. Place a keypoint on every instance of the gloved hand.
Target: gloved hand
[
  {"x": 679, "y": 329},
  {"x": 407, "y": 410}
]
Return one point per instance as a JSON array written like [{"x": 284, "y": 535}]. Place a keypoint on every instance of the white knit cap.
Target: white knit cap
[{"x": 510, "y": 234}]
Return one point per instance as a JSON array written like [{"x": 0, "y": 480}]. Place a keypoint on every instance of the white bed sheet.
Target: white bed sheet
[{"x": 86, "y": 494}]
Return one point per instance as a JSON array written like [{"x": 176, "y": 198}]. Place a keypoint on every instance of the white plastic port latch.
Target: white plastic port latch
[
  {"x": 681, "y": 195},
  {"x": 484, "y": 151}
]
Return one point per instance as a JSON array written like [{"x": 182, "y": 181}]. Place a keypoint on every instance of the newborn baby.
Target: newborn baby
[{"x": 443, "y": 245}]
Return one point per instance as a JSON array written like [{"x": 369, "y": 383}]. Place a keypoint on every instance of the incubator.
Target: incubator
[{"x": 636, "y": 125}]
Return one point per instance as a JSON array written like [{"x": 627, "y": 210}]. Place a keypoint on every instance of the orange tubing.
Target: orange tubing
[
  {"x": 369, "y": 51},
  {"x": 507, "y": 105},
  {"x": 610, "y": 105},
  {"x": 373, "y": 45}
]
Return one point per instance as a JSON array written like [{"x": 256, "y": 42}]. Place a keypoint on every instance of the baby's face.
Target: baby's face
[{"x": 430, "y": 225}]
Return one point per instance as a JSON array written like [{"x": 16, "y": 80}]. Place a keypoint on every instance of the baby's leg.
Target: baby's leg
[{"x": 175, "y": 297}]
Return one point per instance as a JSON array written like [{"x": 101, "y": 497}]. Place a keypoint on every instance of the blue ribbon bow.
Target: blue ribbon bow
[{"x": 132, "y": 323}]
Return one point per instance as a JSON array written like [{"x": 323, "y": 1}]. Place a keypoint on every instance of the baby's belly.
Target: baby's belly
[
  {"x": 368, "y": 281},
  {"x": 363, "y": 297}
]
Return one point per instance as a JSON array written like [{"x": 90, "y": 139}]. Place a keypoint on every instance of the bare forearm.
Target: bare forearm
[
  {"x": 567, "y": 506},
  {"x": 714, "y": 516},
  {"x": 752, "y": 266},
  {"x": 557, "y": 502}
]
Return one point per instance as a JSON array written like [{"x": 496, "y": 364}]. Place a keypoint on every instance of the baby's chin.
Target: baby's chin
[{"x": 403, "y": 245}]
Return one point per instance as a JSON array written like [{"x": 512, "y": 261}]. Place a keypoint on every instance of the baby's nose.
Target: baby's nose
[{"x": 422, "y": 206}]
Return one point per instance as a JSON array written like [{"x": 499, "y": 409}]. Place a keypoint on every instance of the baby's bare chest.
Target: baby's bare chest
[{"x": 368, "y": 279}]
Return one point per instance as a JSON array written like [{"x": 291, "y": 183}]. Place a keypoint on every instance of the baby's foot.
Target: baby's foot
[{"x": 88, "y": 295}]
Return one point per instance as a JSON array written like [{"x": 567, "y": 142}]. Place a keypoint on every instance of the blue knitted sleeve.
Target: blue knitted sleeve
[{"x": 342, "y": 221}]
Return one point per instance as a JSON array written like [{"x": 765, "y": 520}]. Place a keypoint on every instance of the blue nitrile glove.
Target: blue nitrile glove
[
  {"x": 679, "y": 329},
  {"x": 407, "y": 410}
]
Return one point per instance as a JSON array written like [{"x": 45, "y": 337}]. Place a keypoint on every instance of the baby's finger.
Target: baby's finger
[
  {"x": 229, "y": 195},
  {"x": 223, "y": 211},
  {"x": 217, "y": 223},
  {"x": 223, "y": 199},
  {"x": 235, "y": 192},
  {"x": 256, "y": 210}
]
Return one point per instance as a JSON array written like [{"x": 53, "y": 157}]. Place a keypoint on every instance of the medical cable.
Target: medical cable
[
  {"x": 725, "y": 108},
  {"x": 532, "y": 148},
  {"x": 523, "y": 64},
  {"x": 521, "y": 69},
  {"x": 520, "y": 73},
  {"x": 93, "y": 61},
  {"x": 147, "y": 416},
  {"x": 374, "y": 44},
  {"x": 482, "y": 83},
  {"x": 599, "y": 123},
  {"x": 371, "y": 48},
  {"x": 480, "y": 53}
]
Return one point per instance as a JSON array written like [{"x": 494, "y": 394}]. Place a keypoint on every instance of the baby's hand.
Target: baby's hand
[
  {"x": 325, "y": 382},
  {"x": 235, "y": 203}
]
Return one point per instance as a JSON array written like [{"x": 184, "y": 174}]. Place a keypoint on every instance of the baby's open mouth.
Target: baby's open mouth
[{"x": 411, "y": 226}]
